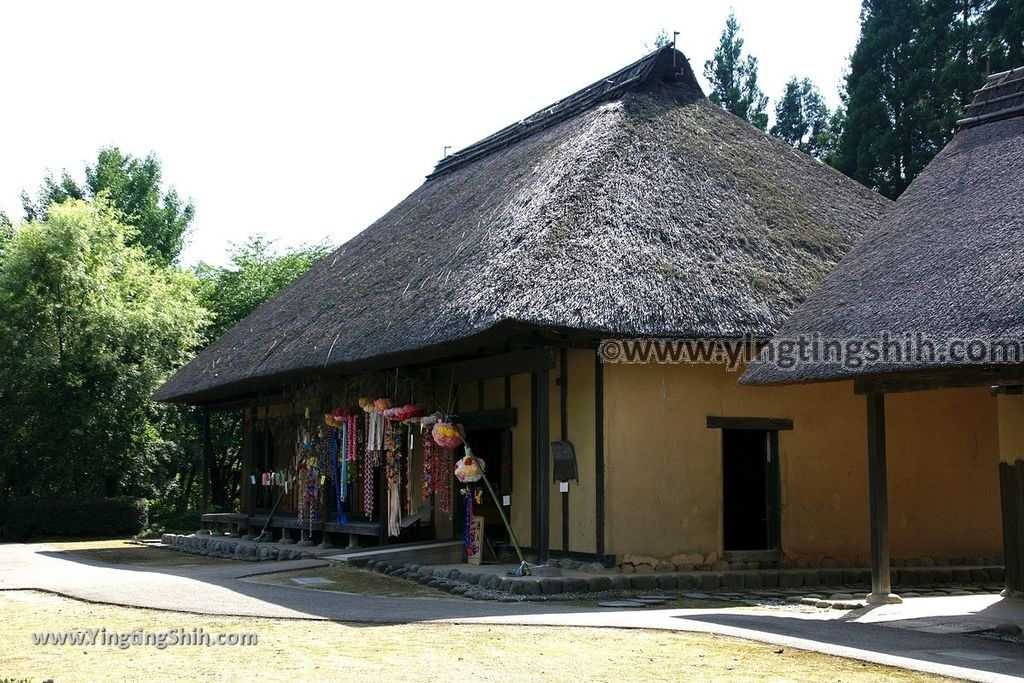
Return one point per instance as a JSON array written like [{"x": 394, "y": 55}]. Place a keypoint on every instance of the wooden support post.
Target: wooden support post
[
  {"x": 599, "y": 452},
  {"x": 542, "y": 465},
  {"x": 563, "y": 414},
  {"x": 207, "y": 461},
  {"x": 382, "y": 505},
  {"x": 881, "y": 587}
]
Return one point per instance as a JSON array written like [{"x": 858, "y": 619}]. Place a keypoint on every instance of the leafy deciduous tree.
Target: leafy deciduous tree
[
  {"x": 133, "y": 186},
  {"x": 90, "y": 326},
  {"x": 257, "y": 271}
]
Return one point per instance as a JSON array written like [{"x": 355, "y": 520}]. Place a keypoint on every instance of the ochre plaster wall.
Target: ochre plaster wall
[{"x": 663, "y": 465}]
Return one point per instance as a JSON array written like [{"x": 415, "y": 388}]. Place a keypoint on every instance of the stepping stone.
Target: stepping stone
[
  {"x": 697, "y": 596},
  {"x": 621, "y": 603},
  {"x": 312, "y": 581},
  {"x": 650, "y": 601}
]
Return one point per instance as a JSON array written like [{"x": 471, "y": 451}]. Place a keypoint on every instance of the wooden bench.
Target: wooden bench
[
  {"x": 249, "y": 524},
  {"x": 236, "y": 520}
]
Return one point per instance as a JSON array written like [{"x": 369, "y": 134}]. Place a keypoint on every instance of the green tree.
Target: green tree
[
  {"x": 134, "y": 187},
  {"x": 881, "y": 146},
  {"x": 90, "y": 327},
  {"x": 663, "y": 39},
  {"x": 257, "y": 271},
  {"x": 1002, "y": 30},
  {"x": 802, "y": 118},
  {"x": 913, "y": 73},
  {"x": 733, "y": 78},
  {"x": 6, "y": 232}
]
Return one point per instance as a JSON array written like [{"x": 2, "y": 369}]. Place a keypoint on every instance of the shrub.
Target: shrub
[
  {"x": 164, "y": 518},
  {"x": 29, "y": 518}
]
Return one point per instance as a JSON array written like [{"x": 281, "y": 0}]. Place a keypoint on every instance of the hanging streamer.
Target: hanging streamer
[
  {"x": 408, "y": 474},
  {"x": 443, "y": 480},
  {"x": 393, "y": 475},
  {"x": 468, "y": 535},
  {"x": 337, "y": 466}
]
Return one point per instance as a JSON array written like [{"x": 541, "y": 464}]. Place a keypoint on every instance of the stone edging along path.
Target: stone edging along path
[{"x": 778, "y": 584}]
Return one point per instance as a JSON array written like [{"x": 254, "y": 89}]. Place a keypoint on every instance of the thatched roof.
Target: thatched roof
[
  {"x": 947, "y": 263},
  {"x": 633, "y": 207}
]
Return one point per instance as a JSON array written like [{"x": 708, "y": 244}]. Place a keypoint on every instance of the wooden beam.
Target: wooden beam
[
  {"x": 599, "y": 452},
  {"x": 507, "y": 364},
  {"x": 881, "y": 584},
  {"x": 382, "y": 506},
  {"x": 498, "y": 418},
  {"x": 1011, "y": 490},
  {"x": 944, "y": 378},
  {"x": 542, "y": 464},
  {"x": 763, "y": 423},
  {"x": 247, "y": 401}
]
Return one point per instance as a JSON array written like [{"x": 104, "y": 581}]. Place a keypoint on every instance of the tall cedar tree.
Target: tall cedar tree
[
  {"x": 133, "y": 186},
  {"x": 802, "y": 118},
  {"x": 914, "y": 70},
  {"x": 733, "y": 78}
]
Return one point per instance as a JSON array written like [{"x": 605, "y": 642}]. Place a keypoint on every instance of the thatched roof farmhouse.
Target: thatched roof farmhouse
[{"x": 632, "y": 207}]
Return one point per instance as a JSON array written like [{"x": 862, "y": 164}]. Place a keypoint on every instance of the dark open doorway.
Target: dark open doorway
[{"x": 750, "y": 497}]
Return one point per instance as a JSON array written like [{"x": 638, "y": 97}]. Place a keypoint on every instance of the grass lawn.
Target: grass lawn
[
  {"x": 351, "y": 580},
  {"x": 346, "y": 579},
  {"x": 118, "y": 551},
  {"x": 310, "y": 650}
]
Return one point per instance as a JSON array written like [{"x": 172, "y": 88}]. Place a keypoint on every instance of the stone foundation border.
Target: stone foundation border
[
  {"x": 232, "y": 548},
  {"x": 483, "y": 585}
]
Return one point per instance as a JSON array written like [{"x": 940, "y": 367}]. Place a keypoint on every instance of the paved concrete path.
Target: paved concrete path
[{"x": 915, "y": 635}]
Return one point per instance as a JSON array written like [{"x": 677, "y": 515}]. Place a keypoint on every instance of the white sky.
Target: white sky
[{"x": 308, "y": 120}]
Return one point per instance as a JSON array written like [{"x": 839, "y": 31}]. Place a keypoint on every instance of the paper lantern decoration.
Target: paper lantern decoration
[
  {"x": 446, "y": 435},
  {"x": 469, "y": 468}
]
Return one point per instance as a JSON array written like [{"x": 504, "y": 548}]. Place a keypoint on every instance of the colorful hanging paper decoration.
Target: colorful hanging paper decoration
[
  {"x": 368, "y": 487},
  {"x": 427, "y": 485},
  {"x": 352, "y": 434},
  {"x": 393, "y": 475},
  {"x": 467, "y": 532},
  {"x": 447, "y": 435},
  {"x": 310, "y": 478},
  {"x": 470, "y": 470},
  {"x": 408, "y": 472},
  {"x": 442, "y": 479}
]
